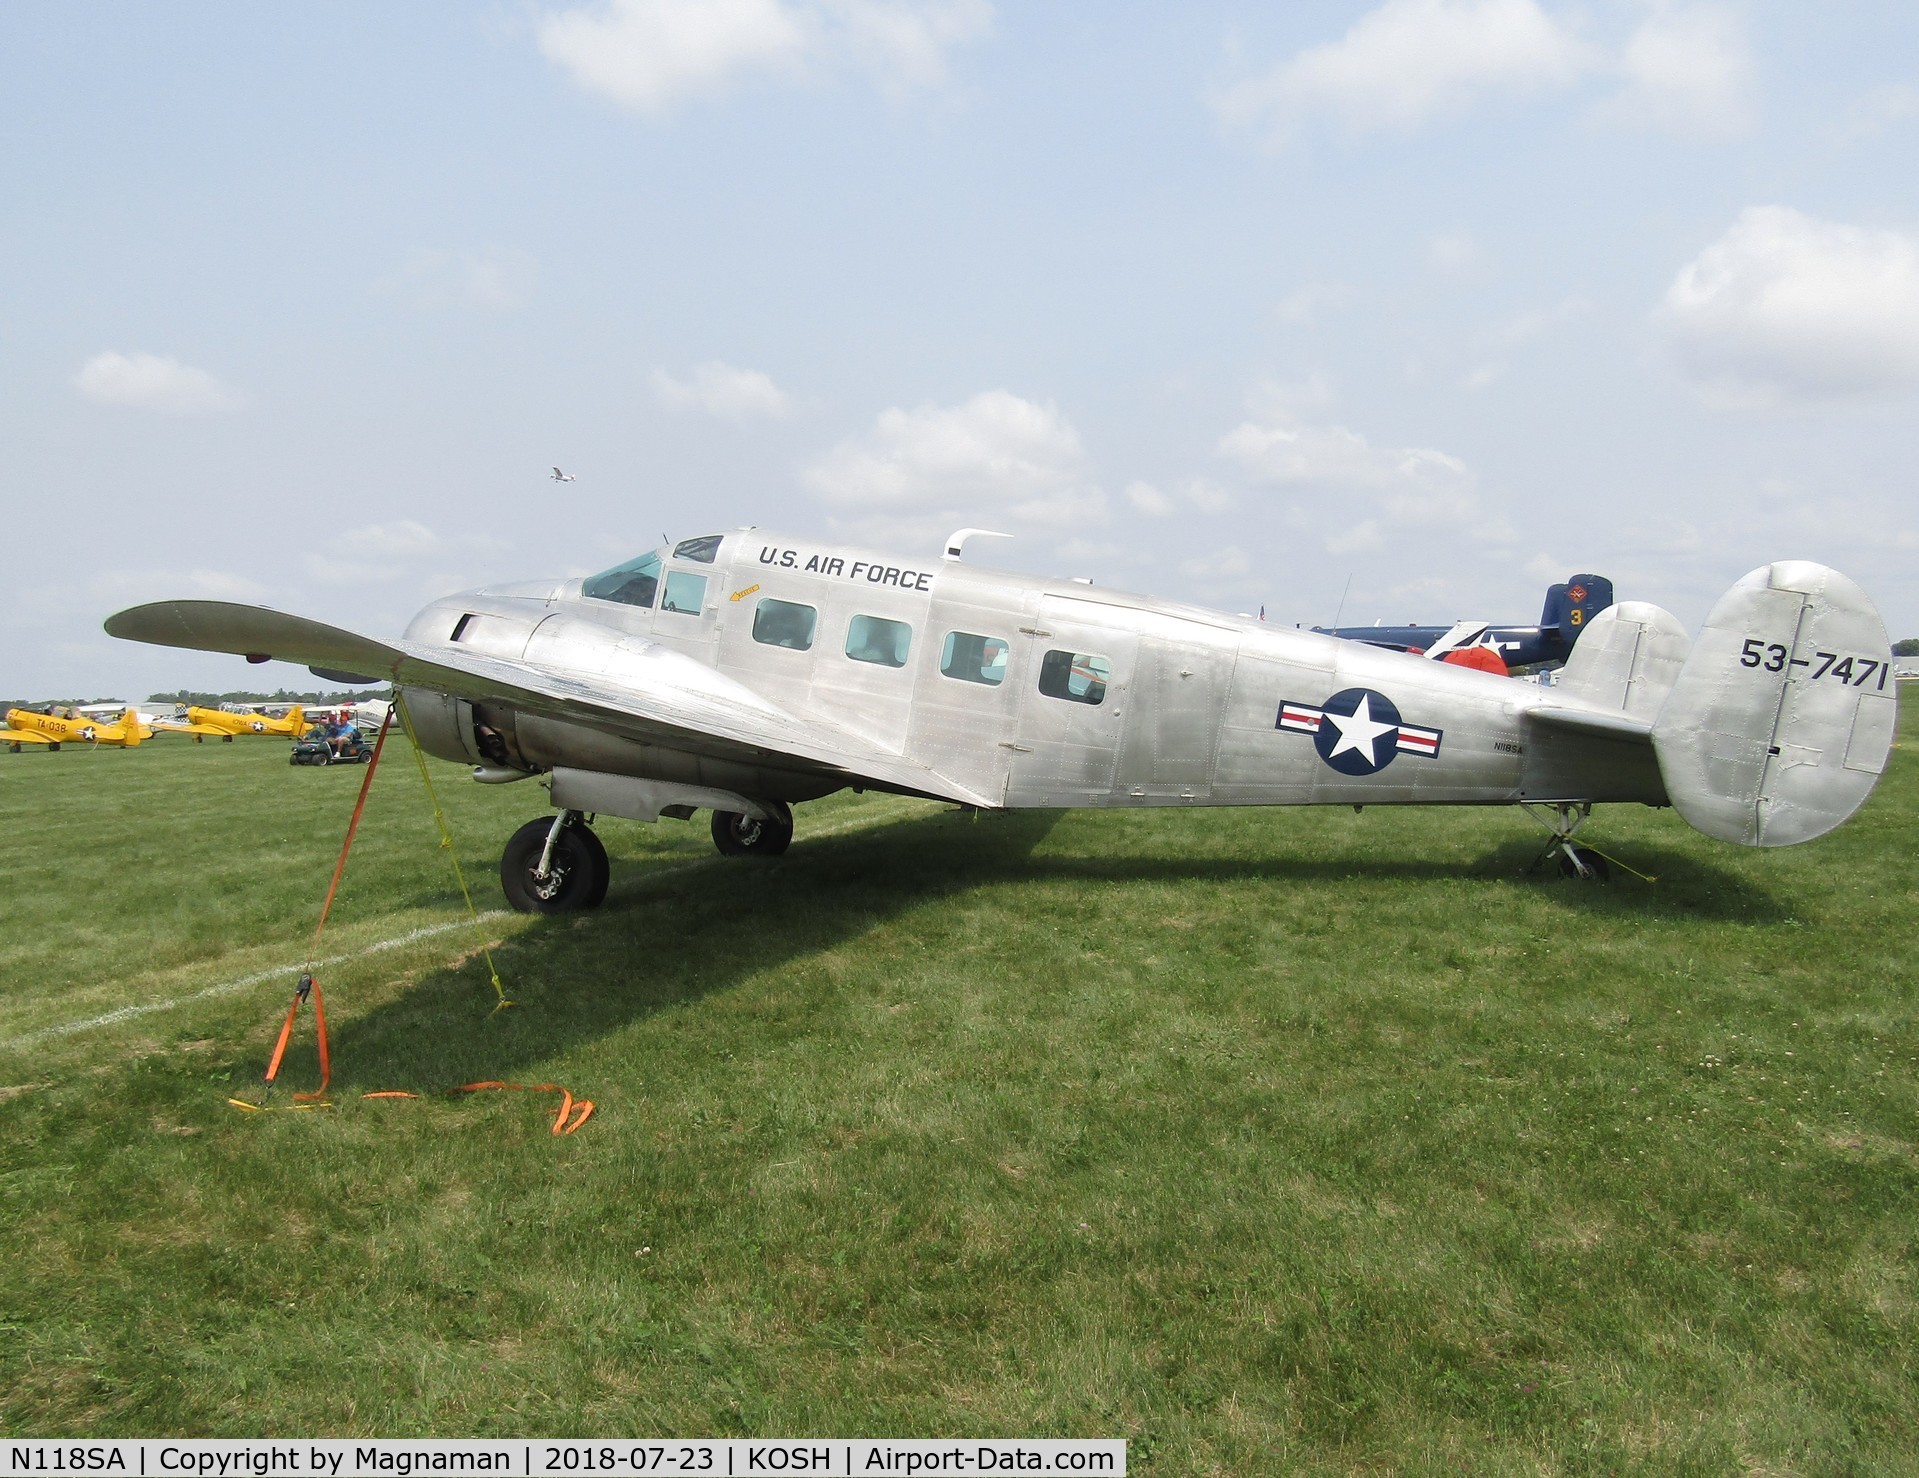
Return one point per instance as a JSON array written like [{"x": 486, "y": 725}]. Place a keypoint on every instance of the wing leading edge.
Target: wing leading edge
[{"x": 674, "y": 700}]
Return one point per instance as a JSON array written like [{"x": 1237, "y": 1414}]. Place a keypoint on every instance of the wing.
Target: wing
[
  {"x": 636, "y": 689},
  {"x": 28, "y": 736},
  {"x": 169, "y": 726}
]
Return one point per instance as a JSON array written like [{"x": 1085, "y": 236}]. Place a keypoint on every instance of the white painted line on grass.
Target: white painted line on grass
[
  {"x": 399, "y": 941},
  {"x": 227, "y": 988}
]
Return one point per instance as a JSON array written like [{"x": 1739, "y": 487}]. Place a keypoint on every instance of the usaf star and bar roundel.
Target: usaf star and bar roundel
[{"x": 1358, "y": 731}]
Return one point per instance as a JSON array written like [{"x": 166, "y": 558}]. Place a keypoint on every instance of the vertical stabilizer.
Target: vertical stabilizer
[
  {"x": 1571, "y": 607},
  {"x": 1782, "y": 717},
  {"x": 1627, "y": 660}
]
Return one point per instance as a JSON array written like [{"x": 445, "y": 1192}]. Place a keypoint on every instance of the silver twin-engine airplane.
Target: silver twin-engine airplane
[{"x": 744, "y": 672}]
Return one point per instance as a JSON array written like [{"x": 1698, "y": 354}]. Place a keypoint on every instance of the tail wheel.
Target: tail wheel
[
  {"x": 576, "y": 875},
  {"x": 754, "y": 836},
  {"x": 1583, "y": 863}
]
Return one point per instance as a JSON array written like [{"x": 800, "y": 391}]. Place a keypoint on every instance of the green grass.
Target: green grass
[{"x": 1283, "y": 1140}]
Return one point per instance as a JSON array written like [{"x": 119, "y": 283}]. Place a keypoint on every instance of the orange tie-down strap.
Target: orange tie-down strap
[{"x": 571, "y": 1113}]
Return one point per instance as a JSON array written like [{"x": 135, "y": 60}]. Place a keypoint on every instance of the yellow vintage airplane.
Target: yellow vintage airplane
[
  {"x": 24, "y": 726},
  {"x": 203, "y": 721}
]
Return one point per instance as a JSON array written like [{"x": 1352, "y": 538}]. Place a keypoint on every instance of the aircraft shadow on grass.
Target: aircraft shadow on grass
[
  {"x": 685, "y": 931},
  {"x": 1686, "y": 886},
  {"x": 678, "y": 934}
]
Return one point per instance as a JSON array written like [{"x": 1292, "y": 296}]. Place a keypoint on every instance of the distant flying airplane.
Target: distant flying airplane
[
  {"x": 746, "y": 671},
  {"x": 1568, "y": 608},
  {"x": 559, "y": 476}
]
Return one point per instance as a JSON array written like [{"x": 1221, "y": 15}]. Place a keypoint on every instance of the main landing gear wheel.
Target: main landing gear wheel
[
  {"x": 753, "y": 836},
  {"x": 554, "y": 865}
]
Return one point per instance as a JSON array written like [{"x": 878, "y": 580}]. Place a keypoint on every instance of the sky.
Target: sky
[{"x": 1390, "y": 311}]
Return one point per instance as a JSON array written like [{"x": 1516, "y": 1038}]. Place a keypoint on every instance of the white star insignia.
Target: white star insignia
[{"x": 1359, "y": 730}]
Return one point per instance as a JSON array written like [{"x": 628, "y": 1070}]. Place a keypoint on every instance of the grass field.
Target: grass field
[{"x": 1270, "y": 1141}]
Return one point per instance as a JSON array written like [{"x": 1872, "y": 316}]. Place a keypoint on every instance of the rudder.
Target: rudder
[{"x": 1782, "y": 717}]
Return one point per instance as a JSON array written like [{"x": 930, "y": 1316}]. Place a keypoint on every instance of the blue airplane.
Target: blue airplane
[{"x": 1568, "y": 608}]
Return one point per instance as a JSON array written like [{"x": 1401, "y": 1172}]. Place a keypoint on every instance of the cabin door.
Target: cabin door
[
  {"x": 1180, "y": 687},
  {"x": 1079, "y": 658}
]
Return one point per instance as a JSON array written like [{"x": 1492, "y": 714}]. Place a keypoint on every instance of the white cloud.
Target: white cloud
[
  {"x": 905, "y": 45},
  {"x": 996, "y": 457},
  {"x": 1332, "y": 457},
  {"x": 1411, "y": 61},
  {"x": 497, "y": 278},
  {"x": 651, "y": 55},
  {"x": 1786, "y": 307},
  {"x": 723, "y": 390},
  {"x": 1688, "y": 69},
  {"x": 1207, "y": 496},
  {"x": 1149, "y": 500},
  {"x": 153, "y": 382},
  {"x": 376, "y": 553},
  {"x": 1356, "y": 494},
  {"x": 1198, "y": 494},
  {"x": 648, "y": 55}
]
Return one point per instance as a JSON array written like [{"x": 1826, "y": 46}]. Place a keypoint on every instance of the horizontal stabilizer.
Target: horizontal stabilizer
[{"x": 1591, "y": 721}]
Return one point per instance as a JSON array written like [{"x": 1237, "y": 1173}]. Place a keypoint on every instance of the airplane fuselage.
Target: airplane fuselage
[{"x": 1025, "y": 691}]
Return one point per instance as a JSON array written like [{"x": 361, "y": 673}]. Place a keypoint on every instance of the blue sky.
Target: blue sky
[{"x": 1226, "y": 302}]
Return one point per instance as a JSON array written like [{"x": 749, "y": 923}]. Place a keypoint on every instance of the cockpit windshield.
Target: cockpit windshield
[
  {"x": 701, "y": 550},
  {"x": 634, "y": 583}
]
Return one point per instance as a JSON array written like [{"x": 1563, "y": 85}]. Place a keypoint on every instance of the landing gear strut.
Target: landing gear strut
[
  {"x": 1562, "y": 819},
  {"x": 554, "y": 866},
  {"x": 752, "y": 836}
]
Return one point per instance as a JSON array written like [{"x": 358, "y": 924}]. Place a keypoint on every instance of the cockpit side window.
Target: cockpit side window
[
  {"x": 699, "y": 551},
  {"x": 634, "y": 583},
  {"x": 685, "y": 592}
]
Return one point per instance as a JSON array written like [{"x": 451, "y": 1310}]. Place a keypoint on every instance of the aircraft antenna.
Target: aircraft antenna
[
  {"x": 1342, "y": 602},
  {"x": 956, "y": 541}
]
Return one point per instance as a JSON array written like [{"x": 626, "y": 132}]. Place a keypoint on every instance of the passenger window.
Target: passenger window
[
  {"x": 875, "y": 639},
  {"x": 685, "y": 592},
  {"x": 974, "y": 659},
  {"x": 700, "y": 551},
  {"x": 1078, "y": 677},
  {"x": 632, "y": 584},
  {"x": 781, "y": 623}
]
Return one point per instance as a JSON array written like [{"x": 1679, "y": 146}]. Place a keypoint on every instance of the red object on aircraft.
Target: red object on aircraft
[{"x": 1482, "y": 659}]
